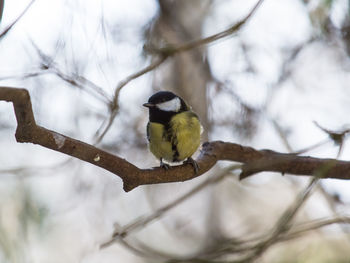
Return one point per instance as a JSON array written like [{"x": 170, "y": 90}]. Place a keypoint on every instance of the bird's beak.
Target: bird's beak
[{"x": 149, "y": 105}]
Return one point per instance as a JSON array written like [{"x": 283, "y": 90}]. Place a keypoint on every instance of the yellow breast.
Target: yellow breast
[
  {"x": 159, "y": 145},
  {"x": 181, "y": 140}
]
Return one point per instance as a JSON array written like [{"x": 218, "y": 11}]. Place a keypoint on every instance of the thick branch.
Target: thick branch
[{"x": 253, "y": 160}]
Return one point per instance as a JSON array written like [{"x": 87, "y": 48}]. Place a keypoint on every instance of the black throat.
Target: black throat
[
  {"x": 159, "y": 116},
  {"x": 164, "y": 117}
]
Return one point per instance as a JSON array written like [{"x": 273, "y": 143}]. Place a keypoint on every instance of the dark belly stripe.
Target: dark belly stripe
[
  {"x": 175, "y": 152},
  {"x": 173, "y": 141}
]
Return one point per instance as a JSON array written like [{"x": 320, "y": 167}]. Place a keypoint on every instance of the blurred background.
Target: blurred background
[{"x": 281, "y": 83}]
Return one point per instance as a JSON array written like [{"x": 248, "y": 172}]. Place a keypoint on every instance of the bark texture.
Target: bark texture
[{"x": 253, "y": 161}]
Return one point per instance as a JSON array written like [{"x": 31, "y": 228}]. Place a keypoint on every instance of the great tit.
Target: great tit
[{"x": 173, "y": 130}]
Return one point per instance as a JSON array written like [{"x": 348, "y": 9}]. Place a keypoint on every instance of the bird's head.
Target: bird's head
[{"x": 166, "y": 101}]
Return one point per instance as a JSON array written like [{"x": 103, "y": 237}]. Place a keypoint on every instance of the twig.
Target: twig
[
  {"x": 1, "y": 8},
  {"x": 24, "y": 75},
  {"x": 49, "y": 66},
  {"x": 114, "y": 106},
  {"x": 241, "y": 246},
  {"x": 301, "y": 229},
  {"x": 283, "y": 224},
  {"x": 171, "y": 50},
  {"x": 145, "y": 220},
  {"x": 339, "y": 138},
  {"x": 8, "y": 28}
]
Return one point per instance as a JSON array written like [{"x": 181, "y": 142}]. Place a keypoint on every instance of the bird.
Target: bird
[{"x": 173, "y": 129}]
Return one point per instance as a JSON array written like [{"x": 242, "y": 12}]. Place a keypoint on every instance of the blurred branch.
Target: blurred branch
[
  {"x": 164, "y": 53},
  {"x": 145, "y": 220},
  {"x": 287, "y": 70},
  {"x": 315, "y": 224},
  {"x": 1, "y": 8},
  {"x": 114, "y": 105},
  {"x": 254, "y": 161},
  {"x": 81, "y": 83},
  {"x": 245, "y": 120},
  {"x": 172, "y": 50},
  {"x": 283, "y": 224},
  {"x": 337, "y": 137},
  {"x": 48, "y": 65},
  {"x": 24, "y": 75},
  {"x": 281, "y": 231},
  {"x": 9, "y": 27},
  {"x": 25, "y": 170},
  {"x": 282, "y": 134},
  {"x": 251, "y": 249},
  {"x": 238, "y": 246}
]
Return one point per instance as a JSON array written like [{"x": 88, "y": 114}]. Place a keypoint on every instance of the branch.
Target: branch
[
  {"x": 48, "y": 65},
  {"x": 253, "y": 160},
  {"x": 9, "y": 27},
  {"x": 114, "y": 105},
  {"x": 170, "y": 50},
  {"x": 1, "y": 8},
  {"x": 121, "y": 232}
]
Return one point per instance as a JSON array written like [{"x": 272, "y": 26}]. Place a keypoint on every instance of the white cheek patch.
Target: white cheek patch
[{"x": 171, "y": 105}]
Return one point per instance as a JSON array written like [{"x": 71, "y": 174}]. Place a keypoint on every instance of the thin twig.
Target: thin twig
[
  {"x": 283, "y": 224},
  {"x": 9, "y": 27},
  {"x": 340, "y": 135},
  {"x": 235, "y": 246},
  {"x": 145, "y": 220},
  {"x": 1, "y": 8},
  {"x": 171, "y": 50},
  {"x": 114, "y": 106},
  {"x": 50, "y": 66}
]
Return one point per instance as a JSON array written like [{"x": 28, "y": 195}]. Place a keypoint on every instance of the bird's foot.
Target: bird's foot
[
  {"x": 164, "y": 165},
  {"x": 193, "y": 163}
]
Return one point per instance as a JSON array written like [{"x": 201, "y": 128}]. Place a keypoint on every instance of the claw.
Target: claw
[
  {"x": 193, "y": 163},
  {"x": 164, "y": 165}
]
